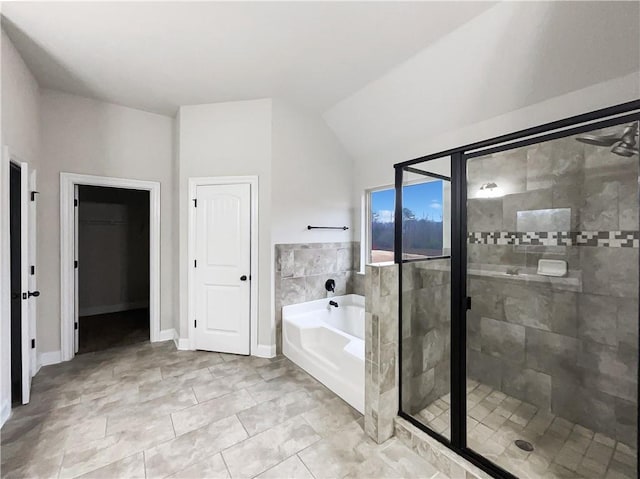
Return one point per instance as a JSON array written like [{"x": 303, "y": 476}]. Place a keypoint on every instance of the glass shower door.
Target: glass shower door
[
  {"x": 552, "y": 332},
  {"x": 426, "y": 290}
]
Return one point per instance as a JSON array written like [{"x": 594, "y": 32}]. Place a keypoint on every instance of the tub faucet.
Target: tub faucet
[
  {"x": 333, "y": 303},
  {"x": 330, "y": 285}
]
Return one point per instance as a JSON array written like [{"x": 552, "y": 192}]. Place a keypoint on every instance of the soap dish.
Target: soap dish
[{"x": 552, "y": 267}]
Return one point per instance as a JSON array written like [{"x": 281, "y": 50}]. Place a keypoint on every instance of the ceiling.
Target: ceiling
[{"x": 157, "y": 56}]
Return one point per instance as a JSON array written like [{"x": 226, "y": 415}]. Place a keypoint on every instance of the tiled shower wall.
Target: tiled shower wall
[
  {"x": 302, "y": 269},
  {"x": 426, "y": 333},
  {"x": 567, "y": 346}
]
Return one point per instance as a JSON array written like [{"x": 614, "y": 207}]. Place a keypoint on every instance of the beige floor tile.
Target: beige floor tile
[
  {"x": 195, "y": 446},
  {"x": 207, "y": 412},
  {"x": 271, "y": 413},
  {"x": 131, "y": 467},
  {"x": 268, "y": 448},
  {"x": 292, "y": 468},
  {"x": 96, "y": 454},
  {"x": 330, "y": 416},
  {"x": 211, "y": 468},
  {"x": 406, "y": 462},
  {"x": 136, "y": 415}
]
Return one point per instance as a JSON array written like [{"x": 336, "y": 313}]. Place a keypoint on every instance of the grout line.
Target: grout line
[
  {"x": 225, "y": 462},
  {"x": 172, "y": 425},
  {"x": 144, "y": 463}
]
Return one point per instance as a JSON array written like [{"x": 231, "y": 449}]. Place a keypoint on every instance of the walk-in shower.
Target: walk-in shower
[{"x": 519, "y": 339}]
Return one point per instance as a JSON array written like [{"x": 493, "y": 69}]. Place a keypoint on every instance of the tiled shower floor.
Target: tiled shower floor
[{"x": 561, "y": 449}]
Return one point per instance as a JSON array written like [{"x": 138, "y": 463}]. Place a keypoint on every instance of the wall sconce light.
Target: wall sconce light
[{"x": 490, "y": 190}]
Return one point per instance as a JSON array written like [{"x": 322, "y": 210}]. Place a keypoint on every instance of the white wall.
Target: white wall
[
  {"x": 515, "y": 66},
  {"x": 228, "y": 139},
  {"x": 86, "y": 136},
  {"x": 311, "y": 178},
  {"x": 19, "y": 127}
]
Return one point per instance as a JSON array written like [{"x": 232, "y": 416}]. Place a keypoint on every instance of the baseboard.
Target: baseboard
[
  {"x": 5, "y": 412},
  {"x": 51, "y": 357},
  {"x": 264, "y": 351},
  {"x": 182, "y": 344},
  {"x": 113, "y": 308},
  {"x": 167, "y": 335}
]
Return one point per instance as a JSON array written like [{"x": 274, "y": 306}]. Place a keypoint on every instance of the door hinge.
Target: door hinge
[
  {"x": 33, "y": 344},
  {"x": 33, "y": 270},
  {"x": 33, "y": 195},
  {"x": 75, "y": 203},
  {"x": 195, "y": 263},
  {"x": 195, "y": 202},
  {"x": 468, "y": 303},
  {"x": 75, "y": 325},
  {"x": 195, "y": 323},
  {"x": 75, "y": 264}
]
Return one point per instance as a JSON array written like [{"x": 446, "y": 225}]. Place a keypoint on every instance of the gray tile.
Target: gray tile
[
  {"x": 485, "y": 214},
  {"x": 502, "y": 339},
  {"x": 598, "y": 318},
  {"x": 530, "y": 200}
]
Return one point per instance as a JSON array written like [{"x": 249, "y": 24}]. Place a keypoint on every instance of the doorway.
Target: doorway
[
  {"x": 15, "y": 207},
  {"x": 113, "y": 267},
  {"x": 70, "y": 184}
]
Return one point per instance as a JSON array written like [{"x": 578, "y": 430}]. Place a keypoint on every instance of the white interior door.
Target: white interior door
[
  {"x": 76, "y": 287},
  {"x": 27, "y": 299},
  {"x": 33, "y": 283},
  {"x": 222, "y": 268}
]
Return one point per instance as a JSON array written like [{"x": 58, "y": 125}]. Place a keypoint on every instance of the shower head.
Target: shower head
[
  {"x": 624, "y": 144},
  {"x": 599, "y": 140}
]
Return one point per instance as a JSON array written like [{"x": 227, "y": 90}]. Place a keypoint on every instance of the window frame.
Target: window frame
[{"x": 366, "y": 229}]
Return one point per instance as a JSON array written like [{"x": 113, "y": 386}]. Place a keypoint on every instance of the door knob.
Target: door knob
[
  {"x": 35, "y": 294},
  {"x": 243, "y": 277}
]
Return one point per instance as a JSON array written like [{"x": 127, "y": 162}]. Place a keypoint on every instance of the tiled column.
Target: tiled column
[{"x": 381, "y": 350}]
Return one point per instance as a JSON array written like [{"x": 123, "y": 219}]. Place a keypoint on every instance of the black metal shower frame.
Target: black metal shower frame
[{"x": 460, "y": 303}]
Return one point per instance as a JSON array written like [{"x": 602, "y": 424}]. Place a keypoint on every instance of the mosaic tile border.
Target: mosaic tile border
[{"x": 606, "y": 239}]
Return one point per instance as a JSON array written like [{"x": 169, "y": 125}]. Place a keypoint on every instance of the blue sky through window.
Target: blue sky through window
[{"x": 424, "y": 199}]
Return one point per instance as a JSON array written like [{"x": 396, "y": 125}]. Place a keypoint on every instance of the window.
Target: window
[{"x": 422, "y": 219}]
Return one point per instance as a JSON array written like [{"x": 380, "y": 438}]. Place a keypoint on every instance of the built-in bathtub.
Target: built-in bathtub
[{"x": 328, "y": 343}]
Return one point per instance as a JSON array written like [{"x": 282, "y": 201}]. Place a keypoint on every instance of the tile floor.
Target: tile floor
[
  {"x": 147, "y": 410},
  {"x": 561, "y": 449}
]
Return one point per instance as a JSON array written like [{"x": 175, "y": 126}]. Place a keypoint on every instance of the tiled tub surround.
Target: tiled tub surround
[
  {"x": 426, "y": 333},
  {"x": 381, "y": 350},
  {"x": 301, "y": 271}
]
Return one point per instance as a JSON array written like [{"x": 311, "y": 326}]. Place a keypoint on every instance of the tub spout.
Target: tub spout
[{"x": 333, "y": 303}]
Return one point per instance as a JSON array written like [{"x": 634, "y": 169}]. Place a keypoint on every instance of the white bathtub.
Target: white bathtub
[{"x": 328, "y": 343}]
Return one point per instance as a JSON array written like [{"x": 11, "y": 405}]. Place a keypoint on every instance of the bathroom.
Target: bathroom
[{"x": 543, "y": 234}]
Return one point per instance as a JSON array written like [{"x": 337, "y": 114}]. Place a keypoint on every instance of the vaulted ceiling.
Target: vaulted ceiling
[{"x": 157, "y": 56}]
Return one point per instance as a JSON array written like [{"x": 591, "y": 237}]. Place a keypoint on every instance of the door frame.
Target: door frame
[
  {"x": 27, "y": 258},
  {"x": 68, "y": 181},
  {"x": 252, "y": 181}
]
